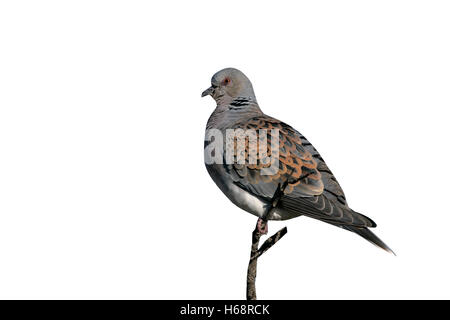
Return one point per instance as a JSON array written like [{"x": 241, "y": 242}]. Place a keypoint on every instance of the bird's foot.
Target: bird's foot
[{"x": 263, "y": 227}]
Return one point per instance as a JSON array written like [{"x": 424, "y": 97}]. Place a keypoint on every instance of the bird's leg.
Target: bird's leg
[{"x": 263, "y": 227}]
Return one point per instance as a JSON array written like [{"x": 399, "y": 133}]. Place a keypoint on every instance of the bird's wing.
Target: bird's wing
[
  {"x": 292, "y": 163},
  {"x": 330, "y": 206},
  {"x": 310, "y": 187}
]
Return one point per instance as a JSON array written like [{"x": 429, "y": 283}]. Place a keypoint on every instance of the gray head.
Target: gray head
[{"x": 228, "y": 84}]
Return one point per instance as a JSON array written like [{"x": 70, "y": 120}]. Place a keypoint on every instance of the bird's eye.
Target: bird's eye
[{"x": 226, "y": 81}]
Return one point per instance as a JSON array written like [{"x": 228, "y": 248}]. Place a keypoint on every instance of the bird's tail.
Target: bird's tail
[{"x": 369, "y": 236}]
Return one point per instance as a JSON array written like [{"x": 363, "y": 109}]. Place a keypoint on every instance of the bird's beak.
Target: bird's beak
[{"x": 208, "y": 92}]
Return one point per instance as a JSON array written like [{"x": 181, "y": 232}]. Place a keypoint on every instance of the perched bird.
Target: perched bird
[{"x": 304, "y": 183}]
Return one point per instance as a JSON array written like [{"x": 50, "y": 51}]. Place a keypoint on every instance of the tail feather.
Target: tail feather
[{"x": 369, "y": 236}]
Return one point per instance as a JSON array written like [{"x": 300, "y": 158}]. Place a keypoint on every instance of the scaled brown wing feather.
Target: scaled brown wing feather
[
  {"x": 331, "y": 206},
  {"x": 295, "y": 164},
  {"x": 312, "y": 189}
]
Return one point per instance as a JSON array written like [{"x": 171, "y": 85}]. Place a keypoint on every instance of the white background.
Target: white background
[{"x": 103, "y": 191}]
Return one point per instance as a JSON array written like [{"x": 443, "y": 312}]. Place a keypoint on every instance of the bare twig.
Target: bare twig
[
  {"x": 257, "y": 252},
  {"x": 251, "y": 271},
  {"x": 270, "y": 242}
]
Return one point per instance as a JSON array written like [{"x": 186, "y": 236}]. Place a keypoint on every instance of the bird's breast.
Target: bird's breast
[{"x": 238, "y": 196}]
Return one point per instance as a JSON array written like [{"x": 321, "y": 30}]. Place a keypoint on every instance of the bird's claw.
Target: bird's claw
[{"x": 263, "y": 227}]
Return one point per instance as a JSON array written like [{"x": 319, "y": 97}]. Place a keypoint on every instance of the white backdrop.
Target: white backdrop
[{"x": 103, "y": 191}]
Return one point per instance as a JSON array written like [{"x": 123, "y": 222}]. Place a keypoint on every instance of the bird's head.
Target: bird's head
[{"x": 229, "y": 84}]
